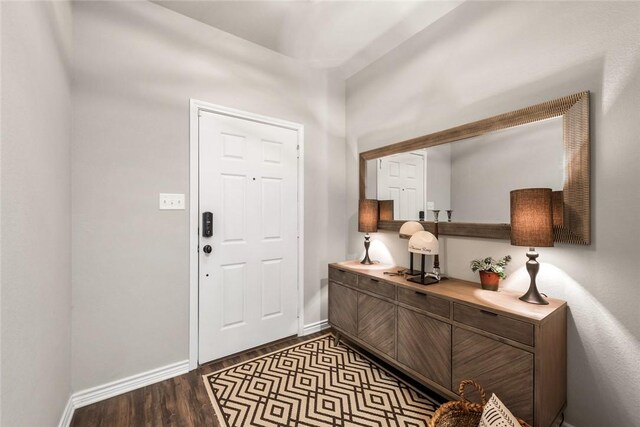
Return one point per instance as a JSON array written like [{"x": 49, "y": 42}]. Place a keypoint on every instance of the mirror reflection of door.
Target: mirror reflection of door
[
  {"x": 473, "y": 176},
  {"x": 401, "y": 178}
]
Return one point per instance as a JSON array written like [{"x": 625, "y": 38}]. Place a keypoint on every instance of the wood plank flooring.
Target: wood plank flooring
[{"x": 181, "y": 401}]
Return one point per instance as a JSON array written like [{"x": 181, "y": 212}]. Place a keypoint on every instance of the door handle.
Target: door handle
[{"x": 207, "y": 249}]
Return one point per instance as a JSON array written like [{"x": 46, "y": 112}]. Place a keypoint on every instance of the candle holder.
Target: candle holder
[
  {"x": 436, "y": 257},
  {"x": 449, "y": 213}
]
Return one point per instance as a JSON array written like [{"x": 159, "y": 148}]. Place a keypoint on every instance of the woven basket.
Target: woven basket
[{"x": 462, "y": 413}]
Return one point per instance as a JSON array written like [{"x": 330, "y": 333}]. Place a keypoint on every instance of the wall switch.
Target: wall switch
[
  {"x": 171, "y": 201},
  {"x": 431, "y": 206}
]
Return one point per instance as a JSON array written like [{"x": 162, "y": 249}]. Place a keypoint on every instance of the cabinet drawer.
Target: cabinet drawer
[
  {"x": 342, "y": 276},
  {"x": 377, "y": 287},
  {"x": 424, "y": 302},
  {"x": 494, "y": 323}
]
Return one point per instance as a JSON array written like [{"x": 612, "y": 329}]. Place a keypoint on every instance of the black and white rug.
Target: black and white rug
[{"x": 315, "y": 383}]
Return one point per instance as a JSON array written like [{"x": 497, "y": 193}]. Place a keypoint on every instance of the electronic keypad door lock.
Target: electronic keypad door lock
[{"x": 207, "y": 224}]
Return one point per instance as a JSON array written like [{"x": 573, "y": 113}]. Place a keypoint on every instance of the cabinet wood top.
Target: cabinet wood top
[{"x": 504, "y": 301}]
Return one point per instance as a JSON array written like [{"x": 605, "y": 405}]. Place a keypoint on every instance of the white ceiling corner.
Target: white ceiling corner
[{"x": 346, "y": 35}]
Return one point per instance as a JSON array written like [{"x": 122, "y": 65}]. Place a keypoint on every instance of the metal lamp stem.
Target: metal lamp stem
[
  {"x": 533, "y": 296},
  {"x": 367, "y": 243}
]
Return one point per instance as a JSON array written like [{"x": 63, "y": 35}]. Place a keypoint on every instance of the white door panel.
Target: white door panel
[
  {"x": 401, "y": 178},
  {"x": 248, "y": 283}
]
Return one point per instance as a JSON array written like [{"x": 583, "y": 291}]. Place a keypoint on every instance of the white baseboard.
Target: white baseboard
[
  {"x": 124, "y": 385},
  {"x": 314, "y": 327},
  {"x": 556, "y": 422},
  {"x": 67, "y": 415}
]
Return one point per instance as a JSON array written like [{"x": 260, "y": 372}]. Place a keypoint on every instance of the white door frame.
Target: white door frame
[{"x": 195, "y": 108}]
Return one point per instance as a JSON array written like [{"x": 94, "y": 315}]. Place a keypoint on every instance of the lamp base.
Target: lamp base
[
  {"x": 533, "y": 296},
  {"x": 408, "y": 272},
  {"x": 423, "y": 280},
  {"x": 366, "y": 260}
]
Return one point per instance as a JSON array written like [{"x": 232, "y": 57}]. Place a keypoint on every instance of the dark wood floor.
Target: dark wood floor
[{"x": 179, "y": 401}]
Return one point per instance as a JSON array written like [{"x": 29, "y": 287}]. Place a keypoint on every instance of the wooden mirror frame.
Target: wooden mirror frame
[{"x": 574, "y": 223}]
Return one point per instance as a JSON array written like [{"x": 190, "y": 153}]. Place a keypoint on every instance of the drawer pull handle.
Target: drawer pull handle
[
  {"x": 488, "y": 313},
  {"x": 422, "y": 294},
  {"x": 375, "y": 280},
  {"x": 342, "y": 271}
]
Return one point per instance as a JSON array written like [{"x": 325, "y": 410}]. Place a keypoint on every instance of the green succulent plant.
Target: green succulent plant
[{"x": 490, "y": 264}]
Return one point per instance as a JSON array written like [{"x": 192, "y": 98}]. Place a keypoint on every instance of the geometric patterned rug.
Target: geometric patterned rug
[{"x": 315, "y": 383}]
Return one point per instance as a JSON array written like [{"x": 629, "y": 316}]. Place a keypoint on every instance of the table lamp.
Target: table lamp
[
  {"x": 367, "y": 223},
  {"x": 424, "y": 243},
  {"x": 407, "y": 230},
  {"x": 532, "y": 226}
]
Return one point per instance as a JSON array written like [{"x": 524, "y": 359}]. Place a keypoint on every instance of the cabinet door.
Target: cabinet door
[
  {"x": 377, "y": 323},
  {"x": 500, "y": 368},
  {"x": 343, "y": 307},
  {"x": 424, "y": 345}
]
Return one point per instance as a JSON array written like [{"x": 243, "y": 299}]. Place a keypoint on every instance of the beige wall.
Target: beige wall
[
  {"x": 486, "y": 58},
  {"x": 36, "y": 211},
  {"x": 136, "y": 66}
]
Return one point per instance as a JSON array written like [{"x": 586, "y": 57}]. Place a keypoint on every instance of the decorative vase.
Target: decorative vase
[{"x": 489, "y": 280}]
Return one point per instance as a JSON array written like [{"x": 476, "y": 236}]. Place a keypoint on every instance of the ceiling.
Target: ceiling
[{"x": 345, "y": 34}]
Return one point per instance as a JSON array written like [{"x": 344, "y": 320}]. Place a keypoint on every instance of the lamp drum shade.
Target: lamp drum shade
[
  {"x": 385, "y": 209},
  {"x": 532, "y": 217},
  {"x": 410, "y": 228},
  {"x": 424, "y": 243},
  {"x": 557, "y": 203},
  {"x": 368, "y": 216}
]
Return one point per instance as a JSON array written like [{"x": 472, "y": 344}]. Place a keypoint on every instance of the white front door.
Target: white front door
[
  {"x": 401, "y": 178},
  {"x": 248, "y": 290}
]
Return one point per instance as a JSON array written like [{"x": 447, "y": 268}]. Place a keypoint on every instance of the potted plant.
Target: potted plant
[{"x": 491, "y": 271}]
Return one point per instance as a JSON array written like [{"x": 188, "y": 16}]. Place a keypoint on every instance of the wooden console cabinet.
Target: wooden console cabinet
[{"x": 442, "y": 334}]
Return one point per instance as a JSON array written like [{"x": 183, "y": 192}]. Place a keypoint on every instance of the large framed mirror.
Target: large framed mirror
[{"x": 469, "y": 171}]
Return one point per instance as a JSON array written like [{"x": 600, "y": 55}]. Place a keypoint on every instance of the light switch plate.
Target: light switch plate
[
  {"x": 171, "y": 201},
  {"x": 431, "y": 206}
]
